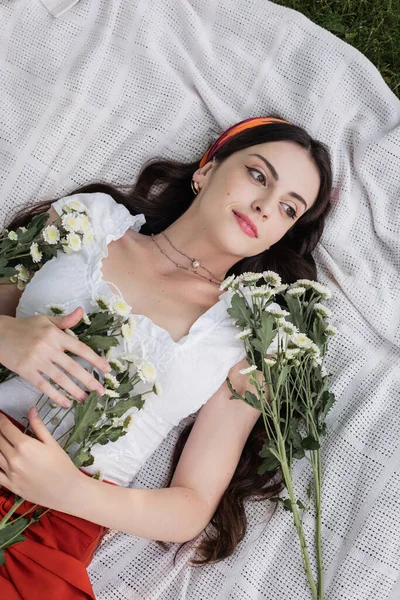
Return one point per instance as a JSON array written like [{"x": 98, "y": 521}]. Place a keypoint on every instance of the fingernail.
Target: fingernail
[
  {"x": 83, "y": 397},
  {"x": 66, "y": 403},
  {"x": 100, "y": 391},
  {"x": 107, "y": 367}
]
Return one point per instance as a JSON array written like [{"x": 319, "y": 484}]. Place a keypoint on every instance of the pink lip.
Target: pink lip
[{"x": 246, "y": 224}]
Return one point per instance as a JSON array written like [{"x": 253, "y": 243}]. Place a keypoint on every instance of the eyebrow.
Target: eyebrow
[{"x": 276, "y": 177}]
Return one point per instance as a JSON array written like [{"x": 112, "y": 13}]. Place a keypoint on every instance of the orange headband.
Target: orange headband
[{"x": 234, "y": 130}]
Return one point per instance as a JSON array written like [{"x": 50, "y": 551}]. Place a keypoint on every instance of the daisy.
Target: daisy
[
  {"x": 12, "y": 236},
  {"x": 51, "y": 234},
  {"x": 248, "y": 370},
  {"x": 301, "y": 340},
  {"x": 35, "y": 253},
  {"x": 296, "y": 291},
  {"x": 272, "y": 278},
  {"x": 227, "y": 282},
  {"x": 244, "y": 334},
  {"x": 120, "y": 307},
  {"x": 146, "y": 371},
  {"x": 74, "y": 242}
]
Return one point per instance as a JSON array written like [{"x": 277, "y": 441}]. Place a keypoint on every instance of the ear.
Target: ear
[{"x": 202, "y": 174}]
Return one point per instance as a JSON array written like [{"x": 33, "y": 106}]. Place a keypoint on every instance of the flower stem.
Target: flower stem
[
  {"x": 296, "y": 517},
  {"x": 10, "y": 513},
  {"x": 316, "y": 465}
]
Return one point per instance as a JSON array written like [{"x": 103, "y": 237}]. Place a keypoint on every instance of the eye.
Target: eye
[
  {"x": 290, "y": 210},
  {"x": 259, "y": 172}
]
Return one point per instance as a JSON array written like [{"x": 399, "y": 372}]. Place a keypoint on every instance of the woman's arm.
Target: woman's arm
[
  {"x": 175, "y": 514},
  {"x": 9, "y": 293},
  {"x": 33, "y": 346}
]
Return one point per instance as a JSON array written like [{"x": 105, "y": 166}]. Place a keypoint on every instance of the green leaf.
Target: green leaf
[
  {"x": 83, "y": 458},
  {"x": 100, "y": 342},
  {"x": 3, "y": 262},
  {"x": 235, "y": 395},
  {"x": 12, "y": 533},
  {"x": 116, "y": 433},
  {"x": 84, "y": 414},
  {"x": 240, "y": 311},
  {"x": 287, "y": 505},
  {"x": 301, "y": 505},
  {"x": 252, "y": 400},
  {"x": 310, "y": 443},
  {"x": 7, "y": 271},
  {"x": 328, "y": 399},
  {"x": 268, "y": 464},
  {"x": 123, "y": 405}
]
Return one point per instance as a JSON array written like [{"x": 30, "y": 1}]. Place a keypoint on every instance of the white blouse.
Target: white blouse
[{"x": 190, "y": 371}]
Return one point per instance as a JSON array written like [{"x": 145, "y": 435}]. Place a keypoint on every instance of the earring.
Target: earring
[{"x": 195, "y": 187}]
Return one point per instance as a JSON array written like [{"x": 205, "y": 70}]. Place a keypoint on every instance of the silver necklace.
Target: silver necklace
[
  {"x": 214, "y": 280},
  {"x": 195, "y": 263}
]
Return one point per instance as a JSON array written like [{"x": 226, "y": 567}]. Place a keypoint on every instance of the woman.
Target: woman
[{"x": 261, "y": 198}]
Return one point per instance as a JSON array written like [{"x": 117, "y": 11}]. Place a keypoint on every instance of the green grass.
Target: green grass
[{"x": 371, "y": 26}]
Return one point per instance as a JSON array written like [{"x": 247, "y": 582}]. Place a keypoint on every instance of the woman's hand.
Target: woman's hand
[
  {"x": 38, "y": 470},
  {"x": 36, "y": 346}
]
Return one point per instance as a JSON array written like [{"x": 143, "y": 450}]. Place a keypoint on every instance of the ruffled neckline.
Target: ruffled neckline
[{"x": 99, "y": 287}]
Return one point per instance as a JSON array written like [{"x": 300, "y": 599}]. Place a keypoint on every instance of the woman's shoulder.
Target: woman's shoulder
[{"x": 104, "y": 213}]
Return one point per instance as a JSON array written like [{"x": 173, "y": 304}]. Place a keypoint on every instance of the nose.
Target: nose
[{"x": 262, "y": 207}]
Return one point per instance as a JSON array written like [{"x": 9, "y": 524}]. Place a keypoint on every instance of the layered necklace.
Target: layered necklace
[{"x": 195, "y": 263}]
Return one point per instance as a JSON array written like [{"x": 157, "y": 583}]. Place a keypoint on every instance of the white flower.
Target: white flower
[
  {"x": 262, "y": 291},
  {"x": 272, "y": 278},
  {"x": 21, "y": 285},
  {"x": 74, "y": 241},
  {"x": 280, "y": 288},
  {"x": 84, "y": 224},
  {"x": 111, "y": 393},
  {"x": 71, "y": 333},
  {"x": 35, "y": 253},
  {"x": 128, "y": 328},
  {"x": 289, "y": 328},
  {"x": 250, "y": 276},
  {"x": 322, "y": 310},
  {"x": 279, "y": 312},
  {"x": 244, "y": 334},
  {"x": 12, "y": 236},
  {"x": 146, "y": 371},
  {"x": 51, "y": 234},
  {"x": 75, "y": 206},
  {"x": 314, "y": 349},
  {"x": 102, "y": 303},
  {"x": 296, "y": 291},
  {"x": 111, "y": 381},
  {"x": 291, "y": 353},
  {"x": 23, "y": 273},
  {"x": 120, "y": 307},
  {"x": 86, "y": 319},
  {"x": 301, "y": 340},
  {"x": 331, "y": 330},
  {"x": 65, "y": 246},
  {"x": 248, "y": 370},
  {"x": 117, "y": 365},
  {"x": 157, "y": 388},
  {"x": 23, "y": 229},
  {"x": 88, "y": 237},
  {"x": 307, "y": 283},
  {"x": 270, "y": 362},
  {"x": 56, "y": 309},
  {"x": 70, "y": 222},
  {"x": 129, "y": 357},
  {"x": 227, "y": 282},
  {"x": 322, "y": 290}
]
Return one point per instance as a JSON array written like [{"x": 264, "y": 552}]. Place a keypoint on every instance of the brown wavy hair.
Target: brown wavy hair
[{"x": 162, "y": 192}]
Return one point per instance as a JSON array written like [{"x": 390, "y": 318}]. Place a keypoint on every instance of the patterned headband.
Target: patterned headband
[{"x": 234, "y": 130}]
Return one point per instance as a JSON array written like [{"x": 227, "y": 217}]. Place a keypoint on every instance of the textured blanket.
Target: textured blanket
[{"x": 91, "y": 90}]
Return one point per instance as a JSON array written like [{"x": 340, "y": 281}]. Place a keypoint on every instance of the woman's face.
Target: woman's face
[{"x": 244, "y": 188}]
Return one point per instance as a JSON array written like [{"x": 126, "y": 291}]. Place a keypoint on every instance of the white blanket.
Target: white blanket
[{"x": 97, "y": 91}]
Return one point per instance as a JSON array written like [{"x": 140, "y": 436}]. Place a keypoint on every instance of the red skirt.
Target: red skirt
[{"x": 52, "y": 561}]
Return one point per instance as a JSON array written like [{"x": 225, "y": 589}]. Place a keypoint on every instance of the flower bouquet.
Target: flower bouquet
[{"x": 286, "y": 347}]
